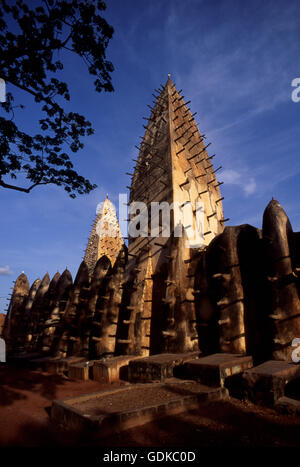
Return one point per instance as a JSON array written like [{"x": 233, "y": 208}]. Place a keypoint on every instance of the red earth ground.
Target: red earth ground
[{"x": 26, "y": 396}]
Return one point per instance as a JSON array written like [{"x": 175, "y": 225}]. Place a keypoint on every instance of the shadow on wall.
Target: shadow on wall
[{"x": 2, "y": 351}]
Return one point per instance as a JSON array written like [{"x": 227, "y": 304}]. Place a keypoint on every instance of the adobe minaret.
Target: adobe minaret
[
  {"x": 105, "y": 238},
  {"x": 173, "y": 166}
]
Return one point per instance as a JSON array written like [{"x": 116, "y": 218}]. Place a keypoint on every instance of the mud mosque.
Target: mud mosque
[{"x": 237, "y": 295}]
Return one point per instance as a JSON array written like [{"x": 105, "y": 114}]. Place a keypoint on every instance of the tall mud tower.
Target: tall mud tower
[
  {"x": 105, "y": 238},
  {"x": 173, "y": 168}
]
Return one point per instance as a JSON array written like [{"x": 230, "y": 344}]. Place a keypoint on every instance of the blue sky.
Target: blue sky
[{"x": 235, "y": 60}]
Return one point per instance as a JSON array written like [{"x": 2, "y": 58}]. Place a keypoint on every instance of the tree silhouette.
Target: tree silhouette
[{"x": 30, "y": 60}]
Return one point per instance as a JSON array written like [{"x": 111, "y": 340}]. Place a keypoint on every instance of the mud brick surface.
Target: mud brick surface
[
  {"x": 214, "y": 369},
  {"x": 135, "y": 405},
  {"x": 266, "y": 383},
  {"x": 157, "y": 367},
  {"x": 61, "y": 365},
  {"x": 113, "y": 369}
]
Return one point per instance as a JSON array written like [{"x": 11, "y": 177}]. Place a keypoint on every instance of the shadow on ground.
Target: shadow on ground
[
  {"x": 215, "y": 424},
  {"x": 25, "y": 400},
  {"x": 16, "y": 379}
]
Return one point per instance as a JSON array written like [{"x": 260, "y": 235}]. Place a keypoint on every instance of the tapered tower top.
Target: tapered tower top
[
  {"x": 105, "y": 238},
  {"x": 174, "y": 165}
]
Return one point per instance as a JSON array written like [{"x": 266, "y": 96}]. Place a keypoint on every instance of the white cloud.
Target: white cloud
[
  {"x": 233, "y": 177},
  {"x": 5, "y": 271},
  {"x": 250, "y": 187}
]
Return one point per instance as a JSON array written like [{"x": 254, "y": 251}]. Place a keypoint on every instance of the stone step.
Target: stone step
[
  {"x": 106, "y": 412},
  {"x": 157, "y": 367},
  {"x": 214, "y": 369},
  {"x": 112, "y": 369},
  {"x": 266, "y": 383},
  {"x": 38, "y": 363},
  {"x": 287, "y": 405},
  {"x": 58, "y": 365},
  {"x": 81, "y": 370}
]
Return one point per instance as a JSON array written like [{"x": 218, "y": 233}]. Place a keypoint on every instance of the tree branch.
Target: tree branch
[
  {"x": 63, "y": 44},
  {"x": 14, "y": 83},
  {"x": 24, "y": 190}
]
